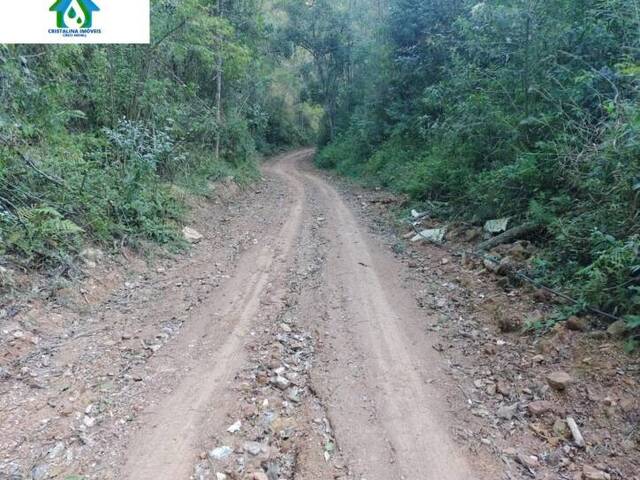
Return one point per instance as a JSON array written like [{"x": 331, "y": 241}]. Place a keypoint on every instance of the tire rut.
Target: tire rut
[{"x": 169, "y": 440}]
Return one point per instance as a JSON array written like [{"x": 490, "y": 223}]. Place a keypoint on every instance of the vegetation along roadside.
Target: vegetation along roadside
[
  {"x": 97, "y": 142},
  {"x": 520, "y": 109}
]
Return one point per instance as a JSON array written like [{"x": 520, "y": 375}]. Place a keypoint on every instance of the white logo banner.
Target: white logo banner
[{"x": 74, "y": 21}]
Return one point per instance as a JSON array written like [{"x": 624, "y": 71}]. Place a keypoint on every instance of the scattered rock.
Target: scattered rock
[
  {"x": 254, "y": 448},
  {"x": 434, "y": 235},
  {"x": 510, "y": 452},
  {"x": 496, "y": 226},
  {"x": 235, "y": 427},
  {"x": 89, "y": 421},
  {"x": 529, "y": 461},
  {"x": 220, "y": 453},
  {"x": 503, "y": 388},
  {"x": 191, "y": 235},
  {"x": 40, "y": 472},
  {"x": 559, "y": 380},
  {"x": 259, "y": 476},
  {"x": 285, "y": 328},
  {"x": 56, "y": 450},
  {"x": 575, "y": 432},
  {"x": 538, "y": 358},
  {"x": 539, "y": 407},
  {"x": 294, "y": 395},
  {"x": 591, "y": 473},
  {"x": 280, "y": 382},
  {"x": 507, "y": 412}
]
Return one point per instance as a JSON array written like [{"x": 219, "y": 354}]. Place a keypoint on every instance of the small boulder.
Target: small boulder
[
  {"x": 538, "y": 358},
  {"x": 591, "y": 473},
  {"x": 280, "y": 382},
  {"x": 191, "y": 235},
  {"x": 220, "y": 453},
  {"x": 507, "y": 412},
  {"x": 497, "y": 225},
  {"x": 254, "y": 448},
  {"x": 40, "y": 472},
  {"x": 559, "y": 380},
  {"x": 539, "y": 407},
  {"x": 235, "y": 428}
]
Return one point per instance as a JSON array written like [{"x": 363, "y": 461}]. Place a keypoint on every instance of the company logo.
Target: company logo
[
  {"x": 74, "y": 17},
  {"x": 75, "y": 22}
]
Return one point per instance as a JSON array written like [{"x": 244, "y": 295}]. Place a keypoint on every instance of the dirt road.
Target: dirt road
[
  {"x": 284, "y": 347},
  {"x": 373, "y": 373}
]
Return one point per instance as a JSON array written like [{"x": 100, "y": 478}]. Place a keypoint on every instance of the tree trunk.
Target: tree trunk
[
  {"x": 508, "y": 236},
  {"x": 219, "y": 88}
]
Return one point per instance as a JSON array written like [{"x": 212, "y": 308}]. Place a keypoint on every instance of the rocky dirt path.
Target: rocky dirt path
[
  {"x": 290, "y": 343},
  {"x": 372, "y": 375}
]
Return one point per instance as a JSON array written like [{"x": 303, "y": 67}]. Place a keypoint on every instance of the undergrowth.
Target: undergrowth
[{"x": 586, "y": 196}]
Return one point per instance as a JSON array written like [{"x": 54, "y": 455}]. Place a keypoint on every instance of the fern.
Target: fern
[{"x": 46, "y": 236}]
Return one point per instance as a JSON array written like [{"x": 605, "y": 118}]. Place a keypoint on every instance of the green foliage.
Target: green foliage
[
  {"x": 94, "y": 138},
  {"x": 608, "y": 280},
  {"x": 513, "y": 107},
  {"x": 42, "y": 234}
]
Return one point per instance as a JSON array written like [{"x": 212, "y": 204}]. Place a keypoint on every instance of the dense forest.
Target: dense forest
[
  {"x": 475, "y": 110},
  {"x": 478, "y": 110},
  {"x": 96, "y": 140}
]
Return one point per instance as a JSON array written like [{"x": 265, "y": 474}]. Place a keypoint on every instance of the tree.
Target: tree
[{"x": 322, "y": 29}]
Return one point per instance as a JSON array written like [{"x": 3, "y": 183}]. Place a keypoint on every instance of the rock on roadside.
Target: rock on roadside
[
  {"x": 559, "y": 380},
  {"x": 191, "y": 235},
  {"x": 507, "y": 412},
  {"x": 591, "y": 473},
  {"x": 539, "y": 407}
]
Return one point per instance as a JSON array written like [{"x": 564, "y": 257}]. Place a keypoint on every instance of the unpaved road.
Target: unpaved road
[
  {"x": 289, "y": 320},
  {"x": 302, "y": 339},
  {"x": 389, "y": 422}
]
